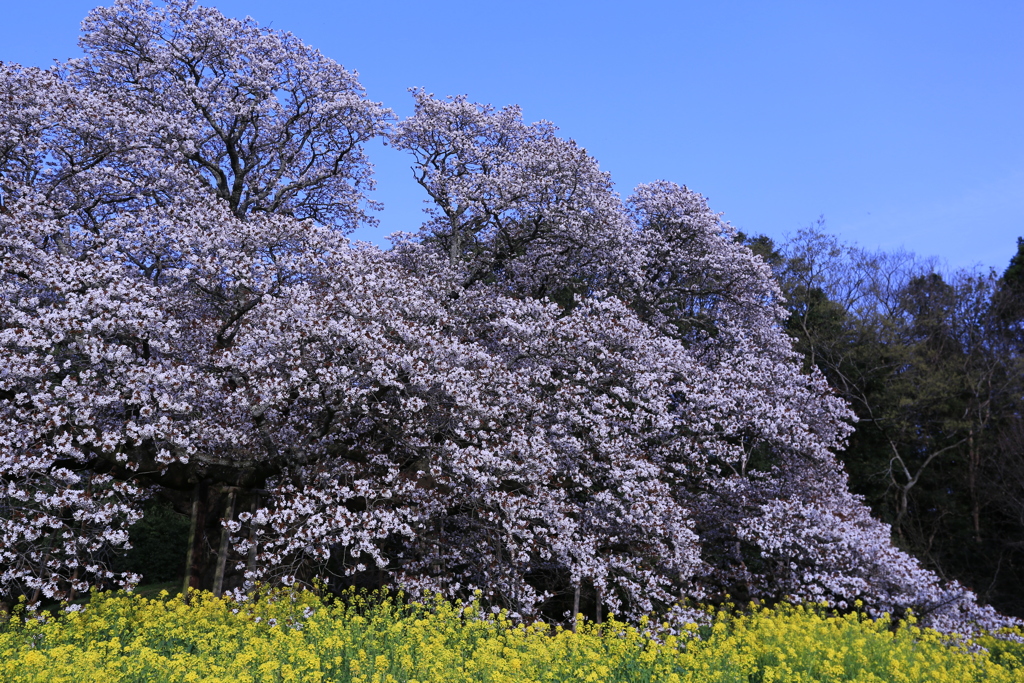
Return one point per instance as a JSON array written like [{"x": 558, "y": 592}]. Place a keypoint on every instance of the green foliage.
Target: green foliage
[
  {"x": 931, "y": 362},
  {"x": 159, "y": 544},
  {"x": 1010, "y": 302},
  {"x": 1013, "y": 278}
]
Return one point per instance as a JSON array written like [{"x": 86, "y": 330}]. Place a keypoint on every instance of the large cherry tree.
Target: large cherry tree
[
  {"x": 547, "y": 393},
  {"x": 154, "y": 194}
]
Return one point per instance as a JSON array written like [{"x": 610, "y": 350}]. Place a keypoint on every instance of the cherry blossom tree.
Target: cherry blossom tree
[
  {"x": 764, "y": 430},
  {"x": 512, "y": 202},
  {"x": 266, "y": 122},
  {"x": 153, "y": 195},
  {"x": 546, "y": 393}
]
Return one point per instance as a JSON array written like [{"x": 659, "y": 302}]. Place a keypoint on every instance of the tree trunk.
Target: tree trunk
[
  {"x": 38, "y": 592},
  {"x": 196, "y": 539},
  {"x": 576, "y": 607},
  {"x": 250, "y": 561},
  {"x": 222, "y": 551},
  {"x": 974, "y": 462}
]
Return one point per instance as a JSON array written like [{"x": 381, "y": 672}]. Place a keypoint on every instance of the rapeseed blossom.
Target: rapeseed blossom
[{"x": 286, "y": 636}]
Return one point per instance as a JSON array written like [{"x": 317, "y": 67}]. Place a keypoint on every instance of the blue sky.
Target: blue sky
[{"x": 901, "y": 122}]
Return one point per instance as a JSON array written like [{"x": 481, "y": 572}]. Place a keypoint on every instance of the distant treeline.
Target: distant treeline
[{"x": 931, "y": 362}]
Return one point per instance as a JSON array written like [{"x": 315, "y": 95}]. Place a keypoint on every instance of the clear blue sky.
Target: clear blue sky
[{"x": 901, "y": 122}]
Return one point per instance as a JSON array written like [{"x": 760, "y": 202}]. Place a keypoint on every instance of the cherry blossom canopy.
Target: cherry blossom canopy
[{"x": 541, "y": 389}]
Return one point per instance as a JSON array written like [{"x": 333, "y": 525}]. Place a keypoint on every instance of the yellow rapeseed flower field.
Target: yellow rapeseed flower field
[{"x": 295, "y": 636}]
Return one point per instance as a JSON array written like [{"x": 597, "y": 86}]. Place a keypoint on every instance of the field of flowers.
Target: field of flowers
[{"x": 296, "y": 636}]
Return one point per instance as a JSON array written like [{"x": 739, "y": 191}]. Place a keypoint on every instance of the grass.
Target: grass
[{"x": 153, "y": 590}]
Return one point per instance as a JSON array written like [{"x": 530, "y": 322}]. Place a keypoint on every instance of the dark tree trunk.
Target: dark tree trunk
[
  {"x": 222, "y": 550},
  {"x": 194, "y": 563},
  {"x": 576, "y": 606}
]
